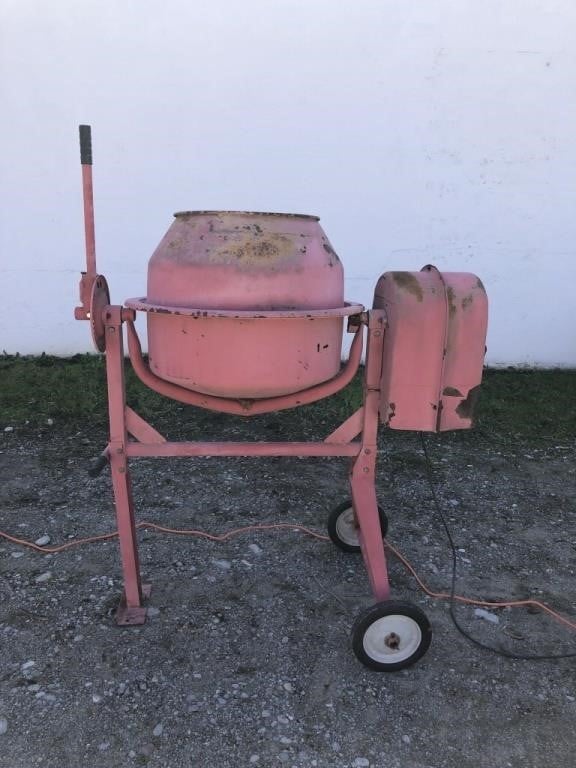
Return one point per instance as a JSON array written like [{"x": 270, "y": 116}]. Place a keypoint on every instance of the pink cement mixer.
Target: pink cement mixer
[{"x": 245, "y": 315}]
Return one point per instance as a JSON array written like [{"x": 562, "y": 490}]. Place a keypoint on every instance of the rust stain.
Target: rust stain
[
  {"x": 467, "y": 301},
  {"x": 254, "y": 250},
  {"x": 480, "y": 285},
  {"x": 392, "y": 641},
  {"x": 334, "y": 259},
  {"x": 391, "y": 412},
  {"x": 452, "y": 308},
  {"x": 406, "y": 281},
  {"x": 186, "y": 217},
  {"x": 251, "y": 214},
  {"x": 452, "y": 392},
  {"x": 467, "y": 407}
]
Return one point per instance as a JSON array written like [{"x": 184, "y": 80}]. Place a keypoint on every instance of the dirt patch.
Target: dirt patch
[{"x": 246, "y": 659}]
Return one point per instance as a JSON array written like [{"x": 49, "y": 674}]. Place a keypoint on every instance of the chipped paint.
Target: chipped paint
[
  {"x": 408, "y": 282},
  {"x": 467, "y": 407},
  {"x": 254, "y": 250},
  {"x": 268, "y": 214},
  {"x": 451, "y": 296},
  {"x": 452, "y": 392}
]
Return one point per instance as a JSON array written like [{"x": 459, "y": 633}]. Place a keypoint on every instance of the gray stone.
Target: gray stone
[{"x": 482, "y": 613}]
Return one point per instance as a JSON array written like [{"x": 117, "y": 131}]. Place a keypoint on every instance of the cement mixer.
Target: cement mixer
[{"x": 246, "y": 315}]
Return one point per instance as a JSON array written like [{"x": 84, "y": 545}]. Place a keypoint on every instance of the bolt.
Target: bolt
[
  {"x": 367, "y": 451},
  {"x": 365, "y": 469},
  {"x": 111, "y": 329}
]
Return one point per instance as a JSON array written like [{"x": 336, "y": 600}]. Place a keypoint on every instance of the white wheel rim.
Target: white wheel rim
[
  {"x": 392, "y": 639},
  {"x": 347, "y": 529}
]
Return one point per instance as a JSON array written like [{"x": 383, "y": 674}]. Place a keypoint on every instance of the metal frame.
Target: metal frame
[{"x": 356, "y": 438}]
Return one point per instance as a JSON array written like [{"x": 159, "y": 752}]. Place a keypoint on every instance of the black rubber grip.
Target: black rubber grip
[{"x": 85, "y": 145}]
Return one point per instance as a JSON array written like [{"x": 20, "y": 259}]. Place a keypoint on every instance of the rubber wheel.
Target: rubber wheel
[
  {"x": 391, "y": 636},
  {"x": 343, "y": 530}
]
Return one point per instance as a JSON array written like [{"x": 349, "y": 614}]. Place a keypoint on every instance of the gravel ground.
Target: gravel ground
[{"x": 245, "y": 659}]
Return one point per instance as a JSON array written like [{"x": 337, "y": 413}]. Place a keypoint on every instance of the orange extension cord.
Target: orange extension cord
[{"x": 294, "y": 527}]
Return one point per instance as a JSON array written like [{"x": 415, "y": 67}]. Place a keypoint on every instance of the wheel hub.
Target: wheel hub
[
  {"x": 392, "y": 639},
  {"x": 347, "y": 527}
]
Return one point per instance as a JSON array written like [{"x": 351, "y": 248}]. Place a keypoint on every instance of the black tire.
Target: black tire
[
  {"x": 340, "y": 527},
  {"x": 391, "y": 636}
]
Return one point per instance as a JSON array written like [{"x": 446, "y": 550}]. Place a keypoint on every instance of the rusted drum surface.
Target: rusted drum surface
[{"x": 245, "y": 262}]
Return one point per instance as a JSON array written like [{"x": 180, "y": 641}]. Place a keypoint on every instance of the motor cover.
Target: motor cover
[{"x": 434, "y": 348}]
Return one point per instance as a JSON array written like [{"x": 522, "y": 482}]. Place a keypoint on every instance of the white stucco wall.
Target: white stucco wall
[{"x": 438, "y": 131}]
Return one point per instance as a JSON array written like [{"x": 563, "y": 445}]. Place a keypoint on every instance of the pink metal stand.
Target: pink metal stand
[{"x": 356, "y": 437}]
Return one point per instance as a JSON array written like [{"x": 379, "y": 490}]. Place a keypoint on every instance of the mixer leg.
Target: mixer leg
[
  {"x": 131, "y": 609},
  {"x": 370, "y": 535},
  {"x": 363, "y": 474}
]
